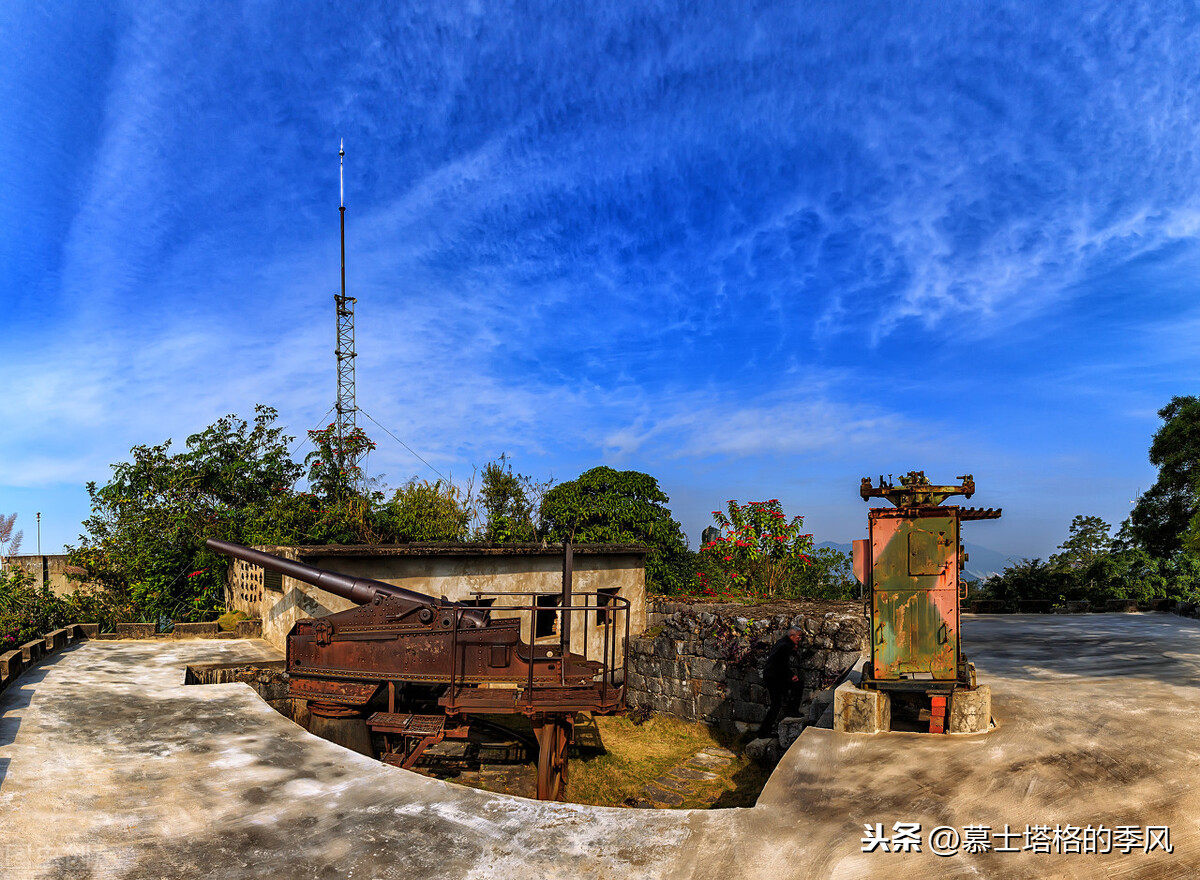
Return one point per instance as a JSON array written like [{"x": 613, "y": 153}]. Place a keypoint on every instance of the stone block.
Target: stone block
[
  {"x": 970, "y": 711},
  {"x": 134, "y": 630},
  {"x": 709, "y": 707},
  {"x": 1124, "y": 606},
  {"x": 751, "y": 712},
  {"x": 84, "y": 630},
  {"x": 789, "y": 731},
  {"x": 861, "y": 711},
  {"x": 207, "y": 630},
  {"x": 682, "y": 709},
  {"x": 673, "y": 687},
  {"x": 847, "y": 640},
  {"x": 31, "y": 652},
  {"x": 635, "y": 682},
  {"x": 764, "y": 751},
  {"x": 12, "y": 664},
  {"x": 55, "y": 640},
  {"x": 840, "y": 661}
]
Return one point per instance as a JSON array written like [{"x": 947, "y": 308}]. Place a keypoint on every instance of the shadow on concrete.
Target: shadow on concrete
[
  {"x": 17, "y": 696},
  {"x": 748, "y": 783}
]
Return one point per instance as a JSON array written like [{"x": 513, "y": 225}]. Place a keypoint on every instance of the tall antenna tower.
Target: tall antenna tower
[{"x": 346, "y": 407}]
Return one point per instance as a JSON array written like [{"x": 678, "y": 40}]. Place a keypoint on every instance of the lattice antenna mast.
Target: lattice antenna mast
[{"x": 346, "y": 407}]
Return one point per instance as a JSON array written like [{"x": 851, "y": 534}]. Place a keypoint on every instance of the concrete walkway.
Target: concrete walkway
[{"x": 110, "y": 767}]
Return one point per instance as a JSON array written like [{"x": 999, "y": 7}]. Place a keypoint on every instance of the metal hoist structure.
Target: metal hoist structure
[{"x": 910, "y": 565}]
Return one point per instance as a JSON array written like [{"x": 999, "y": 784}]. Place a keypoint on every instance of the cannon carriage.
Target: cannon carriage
[{"x": 413, "y": 669}]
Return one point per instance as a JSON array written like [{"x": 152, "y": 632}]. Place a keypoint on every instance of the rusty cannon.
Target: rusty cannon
[
  {"x": 910, "y": 565},
  {"x": 406, "y": 670}
]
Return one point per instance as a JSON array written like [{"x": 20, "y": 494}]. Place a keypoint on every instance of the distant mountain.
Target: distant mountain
[{"x": 982, "y": 562}]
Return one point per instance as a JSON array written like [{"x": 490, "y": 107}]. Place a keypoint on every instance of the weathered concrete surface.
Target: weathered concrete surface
[
  {"x": 970, "y": 711},
  {"x": 110, "y": 768},
  {"x": 1096, "y": 724},
  {"x": 860, "y": 711}
]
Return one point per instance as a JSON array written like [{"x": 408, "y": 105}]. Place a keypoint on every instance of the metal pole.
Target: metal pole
[
  {"x": 568, "y": 564},
  {"x": 41, "y": 559}
]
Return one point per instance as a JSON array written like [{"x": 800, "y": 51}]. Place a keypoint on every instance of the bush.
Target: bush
[
  {"x": 27, "y": 610},
  {"x": 758, "y": 553}
]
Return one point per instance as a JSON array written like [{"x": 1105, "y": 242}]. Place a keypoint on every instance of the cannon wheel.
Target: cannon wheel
[{"x": 553, "y": 735}]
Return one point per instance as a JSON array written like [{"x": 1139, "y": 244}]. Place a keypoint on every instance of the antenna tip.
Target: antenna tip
[{"x": 342, "y": 147}]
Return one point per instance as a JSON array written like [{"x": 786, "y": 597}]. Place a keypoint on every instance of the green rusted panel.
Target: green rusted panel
[
  {"x": 914, "y": 634},
  {"x": 915, "y": 596},
  {"x": 930, "y": 546}
]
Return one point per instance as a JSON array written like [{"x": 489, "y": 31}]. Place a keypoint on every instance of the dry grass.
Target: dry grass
[{"x": 635, "y": 755}]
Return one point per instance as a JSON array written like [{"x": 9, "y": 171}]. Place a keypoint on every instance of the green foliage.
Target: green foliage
[
  {"x": 508, "y": 502},
  {"x": 27, "y": 610},
  {"x": 608, "y": 506},
  {"x": 759, "y": 549},
  {"x": 333, "y": 471},
  {"x": 1166, "y": 516},
  {"x": 424, "y": 511},
  {"x": 228, "y": 622},
  {"x": 143, "y": 537},
  {"x": 1087, "y": 542},
  {"x": 828, "y": 575},
  {"x": 1098, "y": 570}
]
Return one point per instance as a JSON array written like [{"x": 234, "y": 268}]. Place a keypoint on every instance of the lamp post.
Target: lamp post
[{"x": 42, "y": 559}]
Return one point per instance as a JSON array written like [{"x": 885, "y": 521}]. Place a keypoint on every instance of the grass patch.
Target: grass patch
[{"x": 636, "y": 754}]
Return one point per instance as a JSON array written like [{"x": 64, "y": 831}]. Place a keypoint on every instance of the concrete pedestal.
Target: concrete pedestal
[
  {"x": 859, "y": 711},
  {"x": 970, "y": 711}
]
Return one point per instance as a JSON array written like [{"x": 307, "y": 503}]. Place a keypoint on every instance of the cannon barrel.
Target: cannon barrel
[{"x": 359, "y": 590}]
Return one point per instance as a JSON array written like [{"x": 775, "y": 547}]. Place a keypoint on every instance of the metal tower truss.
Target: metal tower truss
[{"x": 346, "y": 407}]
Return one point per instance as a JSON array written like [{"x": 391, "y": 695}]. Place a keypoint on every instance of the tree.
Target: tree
[
  {"x": 759, "y": 549},
  {"x": 828, "y": 575},
  {"x": 508, "y": 502},
  {"x": 612, "y": 507},
  {"x": 143, "y": 537},
  {"x": 1167, "y": 512},
  {"x": 1087, "y": 541},
  {"x": 1027, "y": 579}
]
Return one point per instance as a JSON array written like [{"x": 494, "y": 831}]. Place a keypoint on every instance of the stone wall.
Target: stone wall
[
  {"x": 704, "y": 662},
  {"x": 52, "y": 568}
]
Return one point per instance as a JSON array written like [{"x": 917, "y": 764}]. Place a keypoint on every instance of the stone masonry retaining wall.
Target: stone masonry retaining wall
[{"x": 704, "y": 662}]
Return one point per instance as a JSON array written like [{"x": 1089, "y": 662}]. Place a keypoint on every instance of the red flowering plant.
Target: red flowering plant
[{"x": 758, "y": 550}]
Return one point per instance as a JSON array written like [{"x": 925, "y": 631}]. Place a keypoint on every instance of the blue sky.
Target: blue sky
[{"x": 755, "y": 250}]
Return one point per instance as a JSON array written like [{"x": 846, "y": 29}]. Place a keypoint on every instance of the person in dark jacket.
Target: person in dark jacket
[{"x": 782, "y": 682}]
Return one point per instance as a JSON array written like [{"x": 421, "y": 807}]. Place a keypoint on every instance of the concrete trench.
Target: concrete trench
[{"x": 111, "y": 767}]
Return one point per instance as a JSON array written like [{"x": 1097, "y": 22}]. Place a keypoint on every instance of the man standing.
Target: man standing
[{"x": 781, "y": 681}]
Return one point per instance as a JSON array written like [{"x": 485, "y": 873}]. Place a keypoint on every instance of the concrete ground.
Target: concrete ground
[{"x": 110, "y": 767}]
